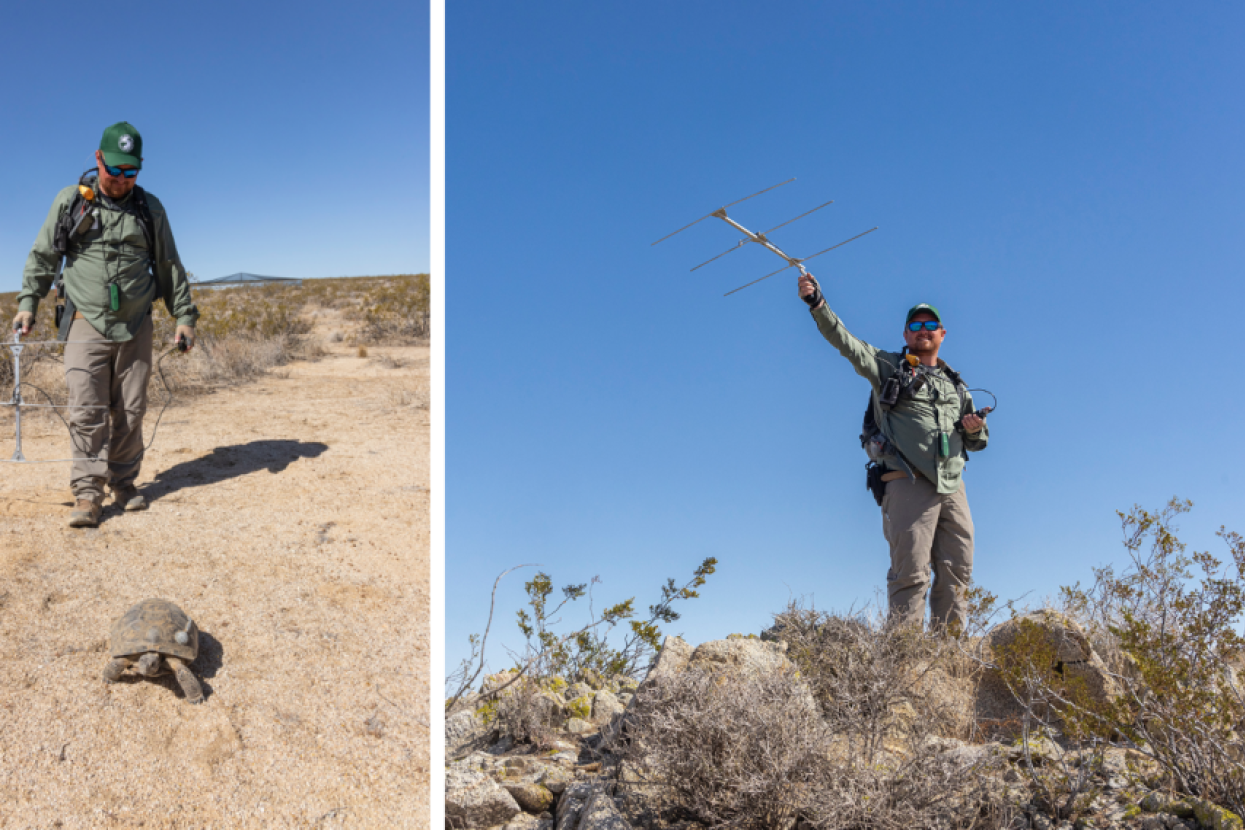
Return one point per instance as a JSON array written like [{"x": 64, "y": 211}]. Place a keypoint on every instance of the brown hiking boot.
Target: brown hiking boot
[
  {"x": 128, "y": 498},
  {"x": 85, "y": 514}
]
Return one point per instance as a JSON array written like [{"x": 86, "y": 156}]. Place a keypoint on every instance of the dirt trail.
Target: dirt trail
[{"x": 289, "y": 517}]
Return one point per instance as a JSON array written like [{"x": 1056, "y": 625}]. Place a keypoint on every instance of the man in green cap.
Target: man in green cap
[
  {"x": 119, "y": 257},
  {"x": 926, "y": 426}
]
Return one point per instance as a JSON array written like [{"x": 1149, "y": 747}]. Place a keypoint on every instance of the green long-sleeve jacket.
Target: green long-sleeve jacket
[
  {"x": 114, "y": 251},
  {"x": 915, "y": 424}
]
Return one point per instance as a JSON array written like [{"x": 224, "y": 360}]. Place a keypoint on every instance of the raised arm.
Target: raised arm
[{"x": 865, "y": 359}]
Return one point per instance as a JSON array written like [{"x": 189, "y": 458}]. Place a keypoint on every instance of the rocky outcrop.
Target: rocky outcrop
[
  {"x": 673, "y": 657},
  {"x": 466, "y": 732},
  {"x": 474, "y": 800},
  {"x": 741, "y": 656},
  {"x": 1069, "y": 654},
  {"x": 571, "y": 781}
]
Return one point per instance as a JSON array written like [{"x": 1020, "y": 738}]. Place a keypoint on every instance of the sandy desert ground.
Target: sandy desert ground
[{"x": 289, "y": 517}]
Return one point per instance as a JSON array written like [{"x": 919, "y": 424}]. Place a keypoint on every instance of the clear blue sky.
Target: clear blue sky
[
  {"x": 288, "y": 139},
  {"x": 1064, "y": 181}
]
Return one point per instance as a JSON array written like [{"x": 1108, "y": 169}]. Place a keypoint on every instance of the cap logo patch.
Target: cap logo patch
[{"x": 125, "y": 143}]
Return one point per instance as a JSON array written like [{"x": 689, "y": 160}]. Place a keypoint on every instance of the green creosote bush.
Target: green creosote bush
[
  {"x": 589, "y": 649},
  {"x": 1167, "y": 626},
  {"x": 550, "y": 656},
  {"x": 1170, "y": 623},
  {"x": 396, "y": 309}
]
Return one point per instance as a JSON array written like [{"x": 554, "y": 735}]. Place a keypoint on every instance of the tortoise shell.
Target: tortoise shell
[{"x": 155, "y": 625}]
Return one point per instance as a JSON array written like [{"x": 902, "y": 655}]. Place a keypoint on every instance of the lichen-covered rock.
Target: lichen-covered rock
[
  {"x": 555, "y": 685},
  {"x": 474, "y": 800},
  {"x": 579, "y": 726},
  {"x": 579, "y": 689},
  {"x": 493, "y": 682},
  {"x": 1215, "y": 817},
  {"x": 604, "y": 706},
  {"x": 465, "y": 732},
  {"x": 742, "y": 657},
  {"x": 524, "y": 821},
  {"x": 599, "y": 813},
  {"x": 580, "y": 707},
  {"x": 673, "y": 657},
  {"x": 1073, "y": 664},
  {"x": 571, "y": 804},
  {"x": 533, "y": 798}
]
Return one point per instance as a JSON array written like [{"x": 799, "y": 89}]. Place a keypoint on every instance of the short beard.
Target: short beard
[
  {"x": 104, "y": 185},
  {"x": 919, "y": 349}
]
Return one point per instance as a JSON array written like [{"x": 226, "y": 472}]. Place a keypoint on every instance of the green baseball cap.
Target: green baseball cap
[
  {"x": 122, "y": 144},
  {"x": 918, "y": 308}
]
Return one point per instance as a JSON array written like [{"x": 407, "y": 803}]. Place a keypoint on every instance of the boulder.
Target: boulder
[
  {"x": 580, "y": 707},
  {"x": 1216, "y": 817},
  {"x": 580, "y": 689},
  {"x": 1074, "y": 666},
  {"x": 745, "y": 657},
  {"x": 605, "y": 705},
  {"x": 493, "y": 682},
  {"x": 533, "y": 798},
  {"x": 600, "y": 813},
  {"x": 466, "y": 732},
  {"x": 524, "y": 821},
  {"x": 474, "y": 800},
  {"x": 579, "y": 726},
  {"x": 571, "y": 804},
  {"x": 673, "y": 657}
]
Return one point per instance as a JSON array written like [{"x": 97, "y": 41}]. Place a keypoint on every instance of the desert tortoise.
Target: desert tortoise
[{"x": 153, "y": 637}]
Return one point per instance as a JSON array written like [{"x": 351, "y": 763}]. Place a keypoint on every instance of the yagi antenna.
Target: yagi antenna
[{"x": 762, "y": 238}]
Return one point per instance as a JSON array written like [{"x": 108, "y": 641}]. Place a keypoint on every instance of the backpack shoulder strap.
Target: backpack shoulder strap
[
  {"x": 145, "y": 220},
  {"x": 961, "y": 388},
  {"x": 143, "y": 210}
]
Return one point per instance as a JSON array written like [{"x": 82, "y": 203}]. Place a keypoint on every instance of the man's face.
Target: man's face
[
  {"x": 924, "y": 342},
  {"x": 115, "y": 187}
]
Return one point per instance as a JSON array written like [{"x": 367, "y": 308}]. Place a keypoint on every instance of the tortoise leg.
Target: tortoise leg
[
  {"x": 112, "y": 672},
  {"x": 187, "y": 680}
]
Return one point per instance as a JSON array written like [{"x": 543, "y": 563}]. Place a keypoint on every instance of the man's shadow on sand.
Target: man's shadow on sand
[{"x": 230, "y": 462}]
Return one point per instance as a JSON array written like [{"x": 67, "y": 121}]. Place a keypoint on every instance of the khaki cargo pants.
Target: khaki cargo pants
[
  {"x": 927, "y": 530},
  {"x": 107, "y": 443}
]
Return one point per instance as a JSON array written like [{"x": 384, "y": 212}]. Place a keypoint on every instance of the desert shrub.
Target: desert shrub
[
  {"x": 524, "y": 709},
  {"x": 876, "y": 679},
  {"x": 589, "y": 648},
  {"x": 1058, "y": 729},
  {"x": 756, "y": 752},
  {"x": 245, "y": 331},
  {"x": 1167, "y": 627},
  {"x": 748, "y": 752},
  {"x": 251, "y": 312},
  {"x": 395, "y": 309},
  {"x": 549, "y": 654},
  {"x": 1171, "y": 620}
]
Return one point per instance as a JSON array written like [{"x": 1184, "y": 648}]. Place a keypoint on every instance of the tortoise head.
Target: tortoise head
[{"x": 149, "y": 664}]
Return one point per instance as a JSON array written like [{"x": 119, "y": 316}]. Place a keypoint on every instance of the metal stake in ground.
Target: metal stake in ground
[
  {"x": 17, "y": 389},
  {"x": 762, "y": 238}
]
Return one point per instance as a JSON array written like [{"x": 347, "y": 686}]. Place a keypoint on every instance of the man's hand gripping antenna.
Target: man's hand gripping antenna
[{"x": 814, "y": 299}]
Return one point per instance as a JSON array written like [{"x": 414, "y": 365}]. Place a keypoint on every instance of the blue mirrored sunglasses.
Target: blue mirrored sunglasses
[
  {"x": 928, "y": 325},
  {"x": 117, "y": 171}
]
